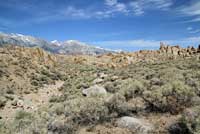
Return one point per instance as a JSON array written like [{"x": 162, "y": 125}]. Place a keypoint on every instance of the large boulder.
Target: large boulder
[
  {"x": 135, "y": 125},
  {"x": 94, "y": 90}
]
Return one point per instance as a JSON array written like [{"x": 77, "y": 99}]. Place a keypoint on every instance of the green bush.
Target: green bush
[
  {"x": 62, "y": 127},
  {"x": 22, "y": 121},
  {"x": 132, "y": 88},
  {"x": 117, "y": 105},
  {"x": 172, "y": 97},
  {"x": 57, "y": 99},
  {"x": 188, "y": 123},
  {"x": 86, "y": 111},
  {"x": 191, "y": 119},
  {"x": 112, "y": 87},
  {"x": 58, "y": 109}
]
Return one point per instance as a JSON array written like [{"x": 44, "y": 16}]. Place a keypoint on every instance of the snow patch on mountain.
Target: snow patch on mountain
[{"x": 66, "y": 47}]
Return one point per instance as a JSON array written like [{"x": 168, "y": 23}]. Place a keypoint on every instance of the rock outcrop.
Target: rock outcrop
[
  {"x": 94, "y": 90},
  {"x": 166, "y": 52},
  {"x": 135, "y": 125},
  {"x": 178, "y": 51},
  {"x": 35, "y": 55}
]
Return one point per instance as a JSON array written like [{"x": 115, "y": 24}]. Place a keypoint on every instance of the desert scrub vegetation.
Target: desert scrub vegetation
[
  {"x": 26, "y": 123},
  {"x": 3, "y": 101},
  {"x": 164, "y": 88},
  {"x": 172, "y": 97},
  {"x": 86, "y": 111},
  {"x": 189, "y": 122}
]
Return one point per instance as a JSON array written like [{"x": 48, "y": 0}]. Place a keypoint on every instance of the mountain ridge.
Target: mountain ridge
[{"x": 65, "y": 47}]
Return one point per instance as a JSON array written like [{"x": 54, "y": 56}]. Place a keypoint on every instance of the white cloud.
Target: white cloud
[
  {"x": 192, "y": 10},
  {"x": 74, "y": 12},
  {"x": 192, "y": 30},
  {"x": 50, "y": 11},
  {"x": 195, "y": 31},
  {"x": 121, "y": 7},
  {"x": 189, "y": 28},
  {"x": 139, "y": 7},
  {"x": 111, "y": 2}
]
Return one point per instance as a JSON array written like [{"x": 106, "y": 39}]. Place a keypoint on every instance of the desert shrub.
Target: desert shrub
[
  {"x": 3, "y": 101},
  {"x": 156, "y": 81},
  {"x": 22, "y": 121},
  {"x": 62, "y": 127},
  {"x": 191, "y": 79},
  {"x": 58, "y": 109},
  {"x": 179, "y": 128},
  {"x": 86, "y": 111},
  {"x": 43, "y": 79},
  {"x": 9, "y": 91},
  {"x": 172, "y": 97},
  {"x": 9, "y": 97},
  {"x": 191, "y": 119},
  {"x": 131, "y": 88},
  {"x": 1, "y": 73},
  {"x": 112, "y": 87},
  {"x": 171, "y": 74},
  {"x": 72, "y": 88},
  {"x": 35, "y": 83},
  {"x": 27, "y": 123},
  {"x": 45, "y": 72},
  {"x": 4, "y": 129},
  {"x": 57, "y": 99},
  {"x": 117, "y": 105},
  {"x": 20, "y": 115}
]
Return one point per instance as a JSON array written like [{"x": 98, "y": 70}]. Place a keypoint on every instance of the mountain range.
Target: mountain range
[{"x": 66, "y": 47}]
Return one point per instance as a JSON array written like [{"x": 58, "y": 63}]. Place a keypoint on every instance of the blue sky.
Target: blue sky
[{"x": 115, "y": 24}]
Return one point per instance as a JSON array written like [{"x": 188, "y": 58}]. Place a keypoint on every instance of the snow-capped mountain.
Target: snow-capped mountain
[
  {"x": 21, "y": 40},
  {"x": 56, "y": 43},
  {"x": 66, "y": 47}
]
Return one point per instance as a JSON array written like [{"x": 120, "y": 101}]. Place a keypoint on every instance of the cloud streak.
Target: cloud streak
[
  {"x": 139, "y": 7},
  {"x": 193, "y": 31},
  {"x": 50, "y": 11},
  {"x": 192, "y": 10}
]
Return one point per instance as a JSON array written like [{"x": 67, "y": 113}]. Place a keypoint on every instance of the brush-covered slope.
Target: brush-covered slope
[{"x": 59, "y": 94}]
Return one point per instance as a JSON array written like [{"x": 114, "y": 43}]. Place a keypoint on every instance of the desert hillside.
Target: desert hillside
[{"x": 144, "y": 92}]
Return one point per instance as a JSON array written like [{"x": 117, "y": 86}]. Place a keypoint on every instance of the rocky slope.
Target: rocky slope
[
  {"x": 158, "y": 92},
  {"x": 67, "y": 47},
  {"x": 123, "y": 59}
]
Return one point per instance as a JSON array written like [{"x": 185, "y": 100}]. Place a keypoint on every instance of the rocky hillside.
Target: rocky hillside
[
  {"x": 24, "y": 69},
  {"x": 157, "y": 93},
  {"x": 123, "y": 59},
  {"x": 67, "y": 47}
]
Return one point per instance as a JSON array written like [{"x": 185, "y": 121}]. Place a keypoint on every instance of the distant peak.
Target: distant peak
[{"x": 55, "y": 42}]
